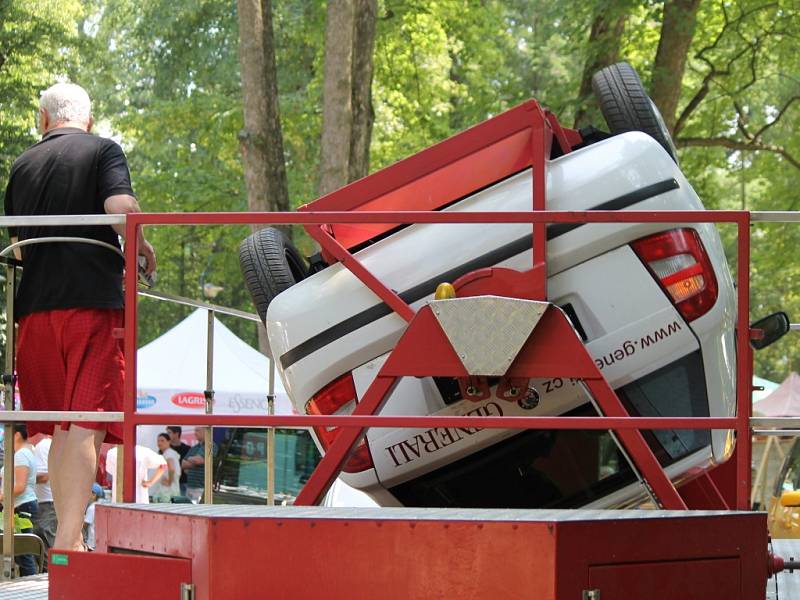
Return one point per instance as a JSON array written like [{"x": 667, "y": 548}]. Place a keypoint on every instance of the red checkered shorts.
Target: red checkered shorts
[{"x": 70, "y": 360}]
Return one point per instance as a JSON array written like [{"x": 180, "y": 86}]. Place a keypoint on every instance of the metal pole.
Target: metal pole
[
  {"x": 208, "y": 463},
  {"x": 8, "y": 430},
  {"x": 744, "y": 370},
  {"x": 127, "y": 458},
  {"x": 271, "y": 437},
  {"x": 119, "y": 489}
]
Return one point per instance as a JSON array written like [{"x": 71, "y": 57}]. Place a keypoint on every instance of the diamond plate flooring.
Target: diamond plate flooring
[{"x": 27, "y": 588}]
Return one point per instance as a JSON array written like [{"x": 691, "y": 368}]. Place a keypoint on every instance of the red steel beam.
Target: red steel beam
[
  {"x": 744, "y": 368},
  {"x": 639, "y": 451},
  {"x": 331, "y": 464},
  {"x": 541, "y": 141},
  {"x": 329, "y": 243},
  {"x": 129, "y": 398},
  {"x": 544, "y": 216},
  {"x": 358, "y": 421}
]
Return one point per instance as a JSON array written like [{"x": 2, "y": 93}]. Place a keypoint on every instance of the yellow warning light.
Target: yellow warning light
[
  {"x": 445, "y": 291},
  {"x": 790, "y": 498},
  {"x": 686, "y": 288}
]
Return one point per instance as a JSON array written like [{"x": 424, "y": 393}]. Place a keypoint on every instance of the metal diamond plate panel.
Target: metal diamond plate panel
[
  {"x": 250, "y": 511},
  {"x": 487, "y": 332}
]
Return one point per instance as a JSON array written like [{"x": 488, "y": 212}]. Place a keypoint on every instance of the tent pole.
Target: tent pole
[{"x": 208, "y": 463}]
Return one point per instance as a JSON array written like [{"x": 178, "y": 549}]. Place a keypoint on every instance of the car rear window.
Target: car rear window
[
  {"x": 567, "y": 469},
  {"x": 677, "y": 390},
  {"x": 535, "y": 469}
]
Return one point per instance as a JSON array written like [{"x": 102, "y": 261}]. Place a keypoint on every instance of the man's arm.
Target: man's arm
[
  {"x": 17, "y": 251},
  {"x": 193, "y": 461},
  {"x": 123, "y": 204}
]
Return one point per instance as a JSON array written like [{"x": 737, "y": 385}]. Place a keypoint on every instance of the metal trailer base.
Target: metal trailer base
[{"x": 243, "y": 552}]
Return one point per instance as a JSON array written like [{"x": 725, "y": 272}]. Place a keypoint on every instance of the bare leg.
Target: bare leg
[
  {"x": 77, "y": 464},
  {"x": 54, "y": 465}
]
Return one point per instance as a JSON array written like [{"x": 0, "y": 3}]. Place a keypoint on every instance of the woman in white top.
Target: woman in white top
[
  {"x": 168, "y": 486},
  {"x": 24, "y": 495}
]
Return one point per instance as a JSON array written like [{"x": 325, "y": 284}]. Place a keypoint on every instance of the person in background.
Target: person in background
[
  {"x": 24, "y": 495},
  {"x": 194, "y": 464},
  {"x": 167, "y": 487},
  {"x": 46, "y": 522},
  {"x": 88, "y": 520},
  {"x": 146, "y": 460},
  {"x": 181, "y": 447}
]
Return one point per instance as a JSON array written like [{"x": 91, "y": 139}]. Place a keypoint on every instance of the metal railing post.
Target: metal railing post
[
  {"x": 208, "y": 464},
  {"x": 271, "y": 436},
  {"x": 128, "y": 458},
  {"x": 744, "y": 369},
  {"x": 8, "y": 430}
]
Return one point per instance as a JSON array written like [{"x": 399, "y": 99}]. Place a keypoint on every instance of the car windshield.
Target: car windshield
[{"x": 565, "y": 468}]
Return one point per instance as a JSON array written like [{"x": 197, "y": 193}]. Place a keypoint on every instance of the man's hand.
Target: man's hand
[
  {"x": 146, "y": 250},
  {"x": 192, "y": 461}
]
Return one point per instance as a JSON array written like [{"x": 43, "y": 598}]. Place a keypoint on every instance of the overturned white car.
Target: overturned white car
[{"x": 654, "y": 304}]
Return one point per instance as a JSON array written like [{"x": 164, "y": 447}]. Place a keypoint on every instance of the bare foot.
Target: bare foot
[{"x": 74, "y": 547}]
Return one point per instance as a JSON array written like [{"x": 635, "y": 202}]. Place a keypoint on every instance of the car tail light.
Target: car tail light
[
  {"x": 679, "y": 262},
  {"x": 339, "y": 398}
]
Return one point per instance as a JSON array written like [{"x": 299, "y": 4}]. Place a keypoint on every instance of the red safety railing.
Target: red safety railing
[{"x": 740, "y": 423}]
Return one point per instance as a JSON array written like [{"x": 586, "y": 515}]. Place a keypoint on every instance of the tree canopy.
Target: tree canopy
[{"x": 165, "y": 78}]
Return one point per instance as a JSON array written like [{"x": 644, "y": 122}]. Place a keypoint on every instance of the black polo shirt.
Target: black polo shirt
[{"x": 69, "y": 172}]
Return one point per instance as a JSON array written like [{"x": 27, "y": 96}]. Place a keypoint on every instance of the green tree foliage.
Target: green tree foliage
[
  {"x": 165, "y": 79},
  {"x": 38, "y": 43}
]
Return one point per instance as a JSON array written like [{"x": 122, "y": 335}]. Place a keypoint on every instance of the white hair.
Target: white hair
[{"x": 66, "y": 102}]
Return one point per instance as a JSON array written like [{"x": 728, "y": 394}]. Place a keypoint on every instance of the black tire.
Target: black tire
[
  {"x": 270, "y": 265},
  {"x": 627, "y": 107}
]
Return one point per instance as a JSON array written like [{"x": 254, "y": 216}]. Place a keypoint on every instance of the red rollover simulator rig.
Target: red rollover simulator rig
[{"x": 304, "y": 551}]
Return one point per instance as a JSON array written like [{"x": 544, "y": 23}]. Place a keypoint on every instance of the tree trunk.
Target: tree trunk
[
  {"x": 603, "y": 50},
  {"x": 363, "y": 114},
  {"x": 677, "y": 31},
  {"x": 337, "y": 96},
  {"x": 261, "y": 139}
]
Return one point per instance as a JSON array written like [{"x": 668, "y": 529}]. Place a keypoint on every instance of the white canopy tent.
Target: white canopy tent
[
  {"x": 780, "y": 401},
  {"x": 171, "y": 375}
]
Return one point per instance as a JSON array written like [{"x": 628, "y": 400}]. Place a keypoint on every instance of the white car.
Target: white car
[{"x": 654, "y": 304}]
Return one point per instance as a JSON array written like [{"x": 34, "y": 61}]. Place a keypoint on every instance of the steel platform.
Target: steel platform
[
  {"x": 238, "y": 552},
  {"x": 788, "y": 584}
]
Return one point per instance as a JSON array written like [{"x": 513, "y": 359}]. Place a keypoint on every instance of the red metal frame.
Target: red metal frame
[
  {"x": 737, "y": 497},
  {"x": 553, "y": 350},
  {"x": 476, "y": 158}
]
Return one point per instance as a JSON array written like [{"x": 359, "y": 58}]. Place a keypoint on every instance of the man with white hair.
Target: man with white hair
[{"x": 69, "y": 301}]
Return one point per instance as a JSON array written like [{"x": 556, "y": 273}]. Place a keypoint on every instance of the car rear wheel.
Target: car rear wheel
[
  {"x": 627, "y": 107},
  {"x": 270, "y": 264}
]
